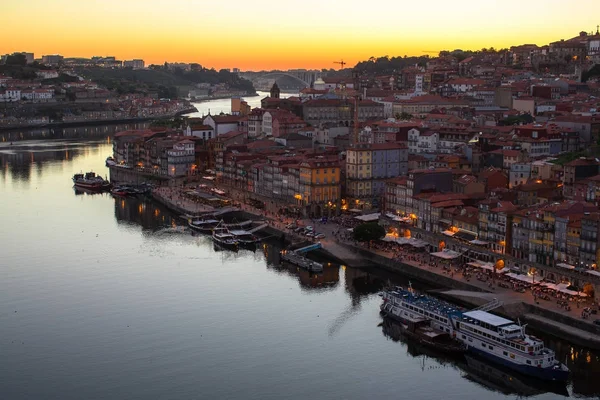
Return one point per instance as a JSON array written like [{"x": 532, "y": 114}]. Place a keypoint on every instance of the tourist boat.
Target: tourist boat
[
  {"x": 225, "y": 239},
  {"x": 90, "y": 181},
  {"x": 420, "y": 329},
  {"x": 204, "y": 226},
  {"x": 110, "y": 161},
  {"x": 301, "y": 261},
  {"x": 492, "y": 337}
]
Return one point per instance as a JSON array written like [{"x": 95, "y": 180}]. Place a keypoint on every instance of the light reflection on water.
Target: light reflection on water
[{"x": 114, "y": 298}]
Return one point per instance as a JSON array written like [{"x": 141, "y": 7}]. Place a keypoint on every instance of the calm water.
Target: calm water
[
  {"x": 224, "y": 105},
  {"x": 111, "y": 299}
]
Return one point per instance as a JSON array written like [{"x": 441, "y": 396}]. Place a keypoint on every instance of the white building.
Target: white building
[
  {"x": 267, "y": 124},
  {"x": 519, "y": 174},
  {"x": 593, "y": 49},
  {"x": 49, "y": 74},
  {"x": 37, "y": 94},
  {"x": 222, "y": 123},
  {"x": 200, "y": 131},
  {"x": 180, "y": 159},
  {"x": 9, "y": 95},
  {"x": 422, "y": 142}
]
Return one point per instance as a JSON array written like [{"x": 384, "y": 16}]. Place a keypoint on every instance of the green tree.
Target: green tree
[
  {"x": 404, "y": 116},
  {"x": 368, "y": 231}
]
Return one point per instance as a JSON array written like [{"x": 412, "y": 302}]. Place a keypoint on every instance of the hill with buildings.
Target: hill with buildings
[{"x": 167, "y": 81}]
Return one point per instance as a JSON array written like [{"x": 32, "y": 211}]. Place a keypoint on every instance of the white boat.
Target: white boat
[{"x": 495, "y": 338}]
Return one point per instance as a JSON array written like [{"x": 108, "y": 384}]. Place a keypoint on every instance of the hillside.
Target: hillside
[{"x": 168, "y": 83}]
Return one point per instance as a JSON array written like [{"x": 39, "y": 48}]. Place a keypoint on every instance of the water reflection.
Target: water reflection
[
  {"x": 21, "y": 160},
  {"x": 69, "y": 132},
  {"x": 492, "y": 377},
  {"x": 348, "y": 292},
  {"x": 150, "y": 216}
]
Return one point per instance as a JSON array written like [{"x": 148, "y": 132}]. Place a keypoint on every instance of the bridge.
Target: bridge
[{"x": 265, "y": 79}]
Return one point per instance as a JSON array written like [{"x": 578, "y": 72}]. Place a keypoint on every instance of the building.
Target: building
[
  {"x": 320, "y": 186},
  {"x": 339, "y": 111},
  {"x": 578, "y": 169},
  {"x": 368, "y": 167},
  {"x": 134, "y": 64},
  {"x": 180, "y": 159},
  {"x": 200, "y": 131},
  {"x": 222, "y": 123},
  {"x": 519, "y": 174},
  {"x": 54, "y": 59}
]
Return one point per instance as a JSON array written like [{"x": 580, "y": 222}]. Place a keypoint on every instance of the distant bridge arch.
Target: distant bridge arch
[{"x": 276, "y": 75}]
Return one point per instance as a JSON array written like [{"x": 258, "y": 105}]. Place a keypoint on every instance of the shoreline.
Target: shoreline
[
  {"x": 470, "y": 294},
  {"x": 62, "y": 124}
]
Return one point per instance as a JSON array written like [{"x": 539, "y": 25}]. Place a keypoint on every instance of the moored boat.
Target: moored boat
[
  {"x": 492, "y": 337},
  {"x": 90, "y": 181},
  {"x": 225, "y": 239},
  {"x": 204, "y": 226},
  {"x": 420, "y": 329},
  {"x": 245, "y": 238}
]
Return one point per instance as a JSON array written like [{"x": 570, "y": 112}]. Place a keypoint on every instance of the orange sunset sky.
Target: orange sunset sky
[{"x": 269, "y": 34}]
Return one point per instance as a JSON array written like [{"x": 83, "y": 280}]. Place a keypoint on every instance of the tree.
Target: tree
[
  {"x": 368, "y": 231},
  {"x": 404, "y": 116},
  {"x": 16, "y": 59}
]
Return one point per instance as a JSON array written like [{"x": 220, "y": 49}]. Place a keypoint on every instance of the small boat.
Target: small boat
[
  {"x": 225, "y": 240},
  {"x": 90, "y": 181},
  {"x": 204, "y": 226},
  {"x": 245, "y": 238},
  {"x": 123, "y": 191}
]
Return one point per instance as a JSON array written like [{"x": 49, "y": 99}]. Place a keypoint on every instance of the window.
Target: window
[
  {"x": 505, "y": 353},
  {"x": 528, "y": 362}
]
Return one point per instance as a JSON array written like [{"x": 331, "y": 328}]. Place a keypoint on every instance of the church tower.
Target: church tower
[{"x": 275, "y": 91}]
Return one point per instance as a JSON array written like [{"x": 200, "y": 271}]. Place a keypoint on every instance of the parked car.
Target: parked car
[
  {"x": 309, "y": 228},
  {"x": 310, "y": 234},
  {"x": 320, "y": 236}
]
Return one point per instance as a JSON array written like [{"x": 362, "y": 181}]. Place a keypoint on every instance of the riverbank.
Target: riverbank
[
  {"x": 63, "y": 124},
  {"x": 467, "y": 291}
]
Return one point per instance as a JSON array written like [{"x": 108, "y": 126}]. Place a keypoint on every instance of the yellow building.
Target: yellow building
[
  {"x": 359, "y": 173},
  {"x": 320, "y": 186}
]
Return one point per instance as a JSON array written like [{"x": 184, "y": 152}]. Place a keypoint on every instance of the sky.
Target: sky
[{"x": 283, "y": 34}]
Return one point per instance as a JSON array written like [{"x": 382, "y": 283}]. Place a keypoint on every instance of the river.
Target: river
[
  {"x": 224, "y": 105},
  {"x": 104, "y": 298}
]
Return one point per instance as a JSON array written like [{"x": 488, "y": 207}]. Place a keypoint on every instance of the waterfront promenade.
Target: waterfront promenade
[{"x": 485, "y": 285}]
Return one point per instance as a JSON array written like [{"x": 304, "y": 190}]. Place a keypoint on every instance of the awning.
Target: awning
[
  {"x": 591, "y": 272},
  {"x": 478, "y": 242},
  {"x": 368, "y": 217},
  {"x": 446, "y": 254},
  {"x": 522, "y": 278},
  {"x": 466, "y": 235},
  {"x": 354, "y": 210},
  {"x": 565, "y": 265},
  {"x": 449, "y": 233},
  {"x": 486, "y": 265}
]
